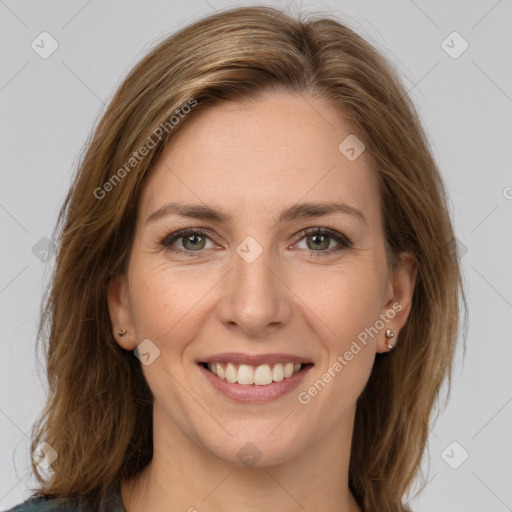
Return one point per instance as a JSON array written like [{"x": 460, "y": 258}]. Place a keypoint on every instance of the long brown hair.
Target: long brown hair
[{"x": 98, "y": 416}]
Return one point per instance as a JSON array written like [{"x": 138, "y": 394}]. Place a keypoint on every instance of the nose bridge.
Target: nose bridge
[{"x": 254, "y": 297}]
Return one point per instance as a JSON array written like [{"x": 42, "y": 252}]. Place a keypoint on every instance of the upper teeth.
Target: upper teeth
[{"x": 259, "y": 375}]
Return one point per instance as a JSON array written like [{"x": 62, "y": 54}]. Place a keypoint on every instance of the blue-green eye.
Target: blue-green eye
[
  {"x": 321, "y": 239},
  {"x": 194, "y": 240}
]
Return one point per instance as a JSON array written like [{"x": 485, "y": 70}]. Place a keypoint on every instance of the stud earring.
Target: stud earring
[
  {"x": 390, "y": 334},
  {"x": 121, "y": 332}
]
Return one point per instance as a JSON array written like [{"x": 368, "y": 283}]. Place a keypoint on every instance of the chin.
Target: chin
[{"x": 256, "y": 447}]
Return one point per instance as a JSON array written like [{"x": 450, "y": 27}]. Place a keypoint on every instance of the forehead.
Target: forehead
[{"x": 260, "y": 156}]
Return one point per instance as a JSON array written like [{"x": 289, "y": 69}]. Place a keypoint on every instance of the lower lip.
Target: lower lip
[{"x": 252, "y": 393}]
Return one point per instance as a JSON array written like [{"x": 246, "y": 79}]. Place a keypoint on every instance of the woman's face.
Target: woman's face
[{"x": 256, "y": 284}]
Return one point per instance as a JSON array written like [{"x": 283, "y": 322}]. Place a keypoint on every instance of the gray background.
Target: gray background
[{"x": 48, "y": 107}]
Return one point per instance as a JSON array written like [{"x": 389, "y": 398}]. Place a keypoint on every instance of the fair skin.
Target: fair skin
[{"x": 252, "y": 160}]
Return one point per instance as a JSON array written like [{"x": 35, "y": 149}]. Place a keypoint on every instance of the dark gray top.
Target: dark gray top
[{"x": 115, "y": 504}]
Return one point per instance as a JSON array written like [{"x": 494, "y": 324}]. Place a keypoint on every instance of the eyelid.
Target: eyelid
[
  {"x": 325, "y": 230},
  {"x": 343, "y": 241},
  {"x": 172, "y": 236}
]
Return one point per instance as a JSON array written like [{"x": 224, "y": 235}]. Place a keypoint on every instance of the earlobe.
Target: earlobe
[
  {"x": 120, "y": 312},
  {"x": 398, "y": 307}
]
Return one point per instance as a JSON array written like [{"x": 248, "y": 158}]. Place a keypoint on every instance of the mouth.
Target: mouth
[
  {"x": 255, "y": 375},
  {"x": 254, "y": 384}
]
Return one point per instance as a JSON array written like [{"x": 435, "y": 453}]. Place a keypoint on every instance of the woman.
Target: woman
[{"x": 219, "y": 341}]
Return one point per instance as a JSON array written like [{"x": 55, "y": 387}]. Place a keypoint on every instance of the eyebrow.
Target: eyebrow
[{"x": 297, "y": 211}]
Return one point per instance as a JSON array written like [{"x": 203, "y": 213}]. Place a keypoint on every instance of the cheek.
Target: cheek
[
  {"x": 348, "y": 304},
  {"x": 349, "y": 348},
  {"x": 165, "y": 300},
  {"x": 152, "y": 306},
  {"x": 347, "y": 300}
]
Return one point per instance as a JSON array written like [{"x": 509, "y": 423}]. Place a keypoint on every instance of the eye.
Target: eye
[
  {"x": 194, "y": 240},
  {"x": 318, "y": 239}
]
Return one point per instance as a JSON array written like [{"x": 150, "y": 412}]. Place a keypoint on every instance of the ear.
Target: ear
[
  {"x": 120, "y": 312},
  {"x": 399, "y": 299}
]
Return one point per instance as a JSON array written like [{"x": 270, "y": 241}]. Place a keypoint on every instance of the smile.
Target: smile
[
  {"x": 260, "y": 375},
  {"x": 254, "y": 384}
]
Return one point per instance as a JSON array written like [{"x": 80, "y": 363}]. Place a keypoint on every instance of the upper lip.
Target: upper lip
[{"x": 254, "y": 359}]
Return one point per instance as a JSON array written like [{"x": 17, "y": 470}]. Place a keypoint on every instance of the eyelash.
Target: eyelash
[{"x": 343, "y": 241}]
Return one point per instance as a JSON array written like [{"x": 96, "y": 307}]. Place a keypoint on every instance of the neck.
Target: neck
[{"x": 185, "y": 476}]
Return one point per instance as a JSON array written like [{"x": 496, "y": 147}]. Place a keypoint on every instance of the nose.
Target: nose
[{"x": 255, "y": 298}]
